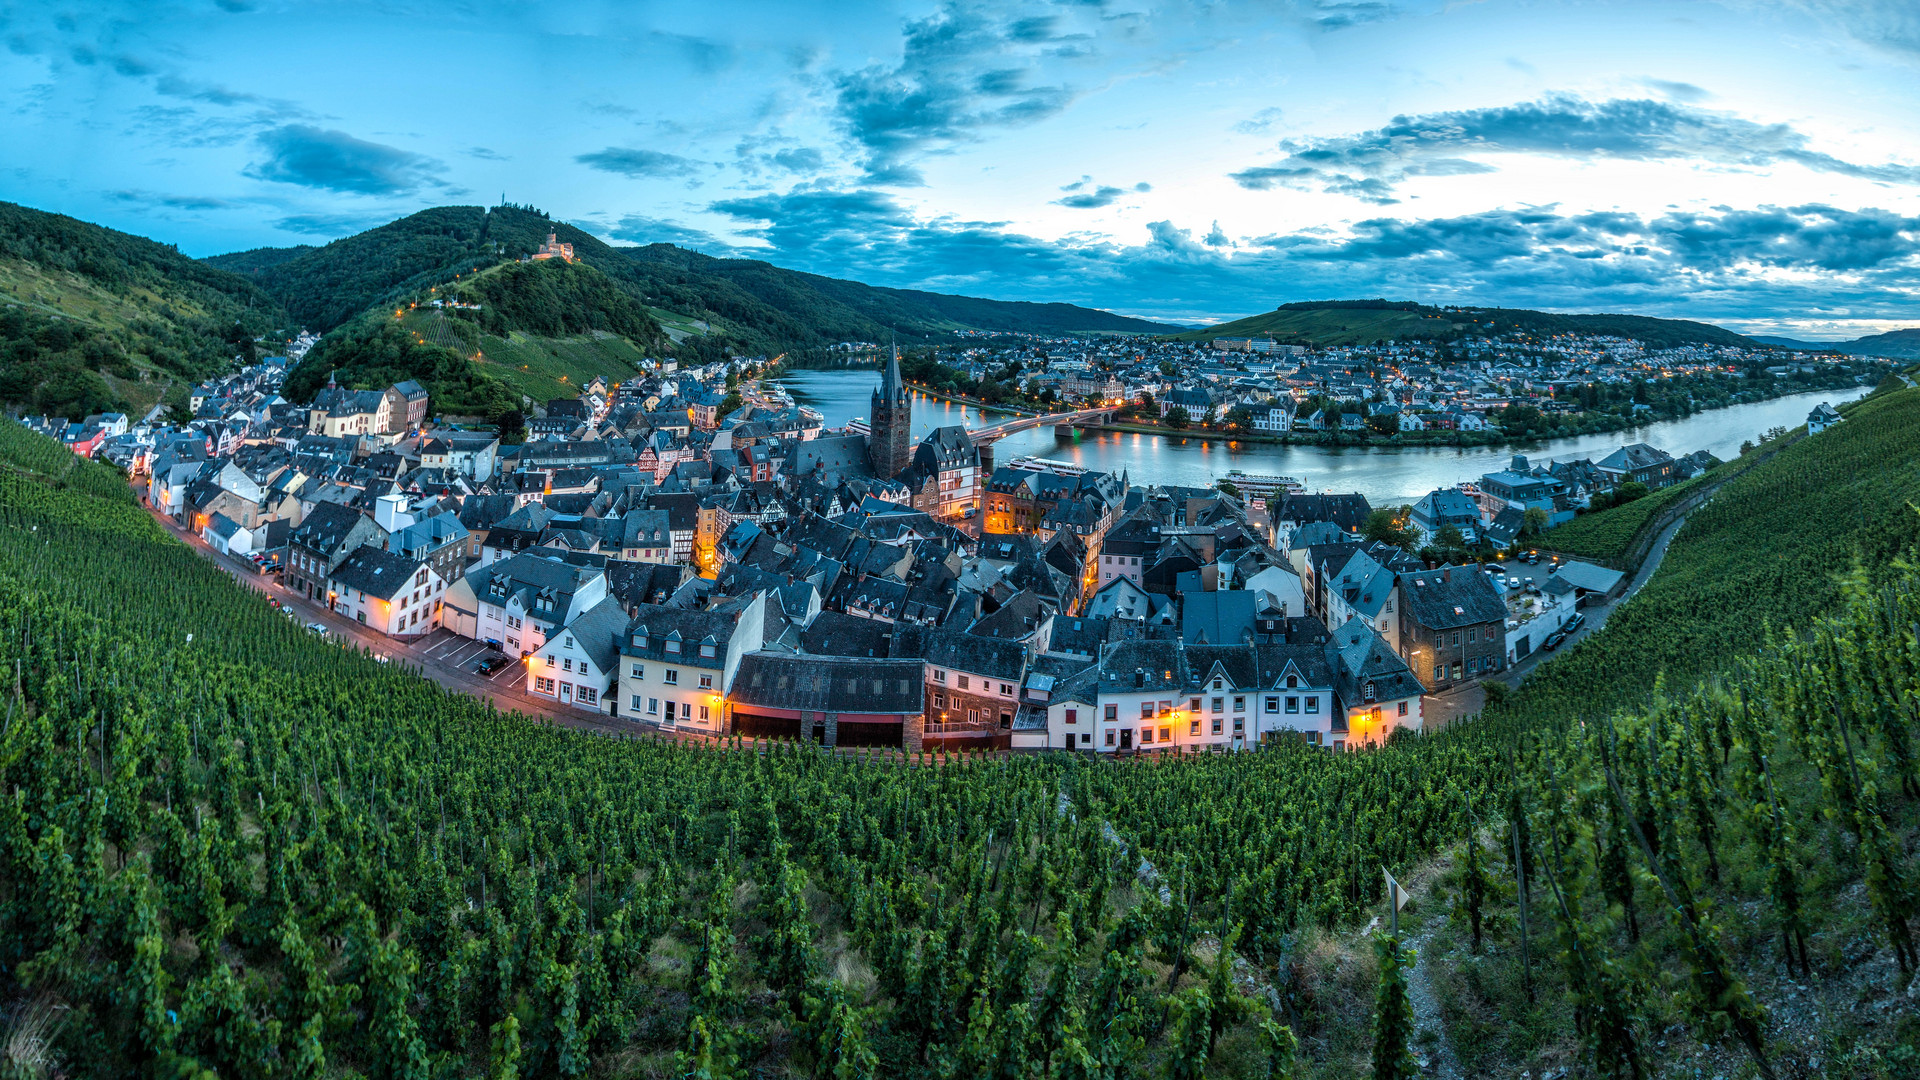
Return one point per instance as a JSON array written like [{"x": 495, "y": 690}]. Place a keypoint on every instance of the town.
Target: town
[{"x": 691, "y": 552}]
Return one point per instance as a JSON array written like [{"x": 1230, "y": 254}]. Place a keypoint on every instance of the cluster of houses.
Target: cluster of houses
[
  {"x": 1398, "y": 386},
  {"x": 645, "y": 557}
]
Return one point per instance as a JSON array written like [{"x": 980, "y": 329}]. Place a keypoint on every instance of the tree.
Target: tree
[
  {"x": 1238, "y": 419},
  {"x": 1178, "y": 419},
  {"x": 1384, "y": 423},
  {"x": 1533, "y": 522},
  {"x": 729, "y": 404},
  {"x": 1168, "y": 368},
  {"x": 1450, "y": 539},
  {"x": 1390, "y": 527}
]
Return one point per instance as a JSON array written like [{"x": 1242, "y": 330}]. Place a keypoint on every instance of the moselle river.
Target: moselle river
[{"x": 1385, "y": 475}]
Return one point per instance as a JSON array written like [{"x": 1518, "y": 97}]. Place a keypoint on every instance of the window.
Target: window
[
  {"x": 939, "y": 676},
  {"x": 1456, "y": 637},
  {"x": 653, "y": 706},
  {"x": 1113, "y": 713},
  {"x": 1239, "y": 724},
  {"x": 637, "y": 704},
  {"x": 1313, "y": 704},
  {"x": 1193, "y": 727},
  {"x": 1293, "y": 681},
  {"x": 673, "y": 677},
  {"x": 706, "y": 682},
  {"x": 1216, "y": 684},
  {"x": 962, "y": 682},
  {"x": 973, "y": 716},
  {"x": 1273, "y": 704},
  {"x": 1166, "y": 734},
  {"x": 1146, "y": 735},
  {"x": 1239, "y": 704},
  {"x": 569, "y": 641},
  {"x": 1146, "y": 710},
  {"x": 1193, "y": 705},
  {"x": 1072, "y": 716},
  {"x": 1006, "y": 690},
  {"x": 1086, "y": 737},
  {"x": 1439, "y": 671},
  {"x": 1293, "y": 704},
  {"x": 673, "y": 646},
  {"x": 939, "y": 700},
  {"x": 587, "y": 695},
  {"x": 544, "y": 685},
  {"x": 1109, "y": 736},
  {"x": 703, "y": 712},
  {"x": 1216, "y": 725},
  {"x": 1366, "y": 691},
  {"x": 1403, "y": 708},
  {"x": 566, "y": 663},
  {"x": 550, "y": 661},
  {"x": 706, "y": 649},
  {"x": 1219, "y": 705},
  {"x": 639, "y": 672}
]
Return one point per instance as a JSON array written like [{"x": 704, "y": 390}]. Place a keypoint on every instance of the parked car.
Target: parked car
[
  {"x": 492, "y": 664},
  {"x": 1572, "y": 626},
  {"x": 1553, "y": 640},
  {"x": 317, "y": 628}
]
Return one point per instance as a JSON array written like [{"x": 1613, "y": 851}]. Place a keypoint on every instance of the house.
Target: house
[
  {"x": 578, "y": 666},
  {"x": 1361, "y": 588},
  {"x": 1275, "y": 416},
  {"x": 646, "y": 536},
  {"x": 406, "y": 407},
  {"x": 227, "y": 536},
  {"x": 322, "y": 541},
  {"x": 1821, "y": 418},
  {"x": 398, "y": 596},
  {"x": 972, "y": 684},
  {"x": 473, "y": 455},
  {"x": 1452, "y": 626},
  {"x": 831, "y": 700},
  {"x": 440, "y": 541},
  {"x": 519, "y": 602},
  {"x": 1442, "y": 507},
  {"x": 677, "y": 666},
  {"x": 1377, "y": 691},
  {"x": 1639, "y": 463}
]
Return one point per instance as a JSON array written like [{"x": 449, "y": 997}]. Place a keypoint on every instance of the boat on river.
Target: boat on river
[{"x": 1261, "y": 486}]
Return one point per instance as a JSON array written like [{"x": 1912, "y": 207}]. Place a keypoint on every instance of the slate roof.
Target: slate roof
[
  {"x": 1347, "y": 511},
  {"x": 1218, "y": 618},
  {"x": 1450, "y": 597},
  {"x": 1358, "y": 656},
  {"x": 597, "y": 633},
  {"x": 834, "y": 633},
  {"x": 1589, "y": 577},
  {"x": 428, "y": 535},
  {"x": 653, "y": 626},
  {"x": 376, "y": 572},
  {"x": 829, "y": 684},
  {"x": 996, "y": 658},
  {"x": 326, "y": 527}
]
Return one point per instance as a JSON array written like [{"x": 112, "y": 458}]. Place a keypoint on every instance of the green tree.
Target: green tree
[
  {"x": 1239, "y": 419},
  {"x": 729, "y": 404},
  {"x": 1177, "y": 418},
  {"x": 1533, "y": 522},
  {"x": 1390, "y": 527}
]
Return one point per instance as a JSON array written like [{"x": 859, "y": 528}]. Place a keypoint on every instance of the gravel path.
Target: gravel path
[{"x": 1426, "y": 1013}]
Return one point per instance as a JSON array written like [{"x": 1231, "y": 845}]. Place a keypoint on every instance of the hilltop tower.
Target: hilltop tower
[{"x": 890, "y": 445}]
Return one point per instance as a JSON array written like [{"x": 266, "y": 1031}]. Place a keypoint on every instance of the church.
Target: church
[{"x": 942, "y": 475}]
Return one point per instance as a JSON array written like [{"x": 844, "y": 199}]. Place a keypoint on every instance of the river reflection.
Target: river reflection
[{"x": 1385, "y": 475}]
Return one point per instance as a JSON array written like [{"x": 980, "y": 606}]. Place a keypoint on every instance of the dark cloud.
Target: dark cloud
[
  {"x": 172, "y": 202},
  {"x": 637, "y": 163},
  {"x": 800, "y": 159},
  {"x": 963, "y": 69},
  {"x": 336, "y": 161},
  {"x": 1089, "y": 200},
  {"x": 1724, "y": 264},
  {"x": 640, "y": 229},
  {"x": 330, "y": 225},
  {"x": 1369, "y": 165}
]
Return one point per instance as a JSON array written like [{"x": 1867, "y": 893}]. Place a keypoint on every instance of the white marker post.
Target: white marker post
[{"x": 1396, "y": 898}]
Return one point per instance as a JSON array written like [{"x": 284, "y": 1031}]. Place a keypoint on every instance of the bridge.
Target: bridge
[{"x": 986, "y": 436}]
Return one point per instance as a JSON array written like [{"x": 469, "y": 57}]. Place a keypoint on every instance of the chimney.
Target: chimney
[{"x": 1447, "y": 575}]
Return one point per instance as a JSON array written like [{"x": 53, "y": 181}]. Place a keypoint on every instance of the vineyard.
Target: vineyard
[
  {"x": 228, "y": 848},
  {"x": 1608, "y": 535}
]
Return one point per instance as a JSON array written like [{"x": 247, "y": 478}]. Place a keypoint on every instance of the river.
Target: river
[{"x": 1386, "y": 475}]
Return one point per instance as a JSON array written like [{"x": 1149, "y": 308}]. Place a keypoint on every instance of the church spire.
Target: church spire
[{"x": 892, "y": 387}]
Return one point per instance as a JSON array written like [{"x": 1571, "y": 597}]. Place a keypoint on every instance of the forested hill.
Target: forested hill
[
  {"x": 480, "y": 360},
  {"x": 754, "y": 307},
  {"x": 1368, "y": 322},
  {"x": 99, "y": 320},
  {"x": 834, "y": 309}
]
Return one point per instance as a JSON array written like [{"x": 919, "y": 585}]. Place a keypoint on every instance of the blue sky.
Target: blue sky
[{"x": 1749, "y": 162}]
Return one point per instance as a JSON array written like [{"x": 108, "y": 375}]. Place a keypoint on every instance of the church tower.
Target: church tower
[{"x": 890, "y": 446}]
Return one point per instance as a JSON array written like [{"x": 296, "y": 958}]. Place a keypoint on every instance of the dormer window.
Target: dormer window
[
  {"x": 673, "y": 646},
  {"x": 706, "y": 648},
  {"x": 1293, "y": 681},
  {"x": 1366, "y": 692}
]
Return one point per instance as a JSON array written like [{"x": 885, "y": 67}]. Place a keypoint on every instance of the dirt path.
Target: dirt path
[{"x": 1426, "y": 1012}]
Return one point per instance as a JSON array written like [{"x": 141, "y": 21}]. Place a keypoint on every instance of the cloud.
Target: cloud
[
  {"x": 331, "y": 225},
  {"x": 1371, "y": 164},
  {"x": 1679, "y": 91},
  {"x": 1098, "y": 197},
  {"x": 336, "y": 161},
  {"x": 640, "y": 229},
  {"x": 963, "y": 69},
  {"x": 637, "y": 163},
  {"x": 485, "y": 154},
  {"x": 1723, "y": 264},
  {"x": 1259, "y": 123},
  {"x": 171, "y": 202}
]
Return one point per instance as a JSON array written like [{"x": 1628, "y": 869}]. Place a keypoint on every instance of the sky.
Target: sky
[{"x": 1746, "y": 162}]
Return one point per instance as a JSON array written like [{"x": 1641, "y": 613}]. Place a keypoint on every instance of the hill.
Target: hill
[
  {"x": 99, "y": 320},
  {"x": 753, "y": 307},
  {"x": 1368, "y": 322},
  {"x": 1896, "y": 344},
  {"x": 255, "y": 847},
  {"x": 541, "y": 330}
]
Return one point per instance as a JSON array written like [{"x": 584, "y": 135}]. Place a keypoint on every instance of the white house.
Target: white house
[
  {"x": 1821, "y": 418},
  {"x": 677, "y": 666},
  {"x": 395, "y": 595},
  {"x": 519, "y": 602},
  {"x": 579, "y": 664}
]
